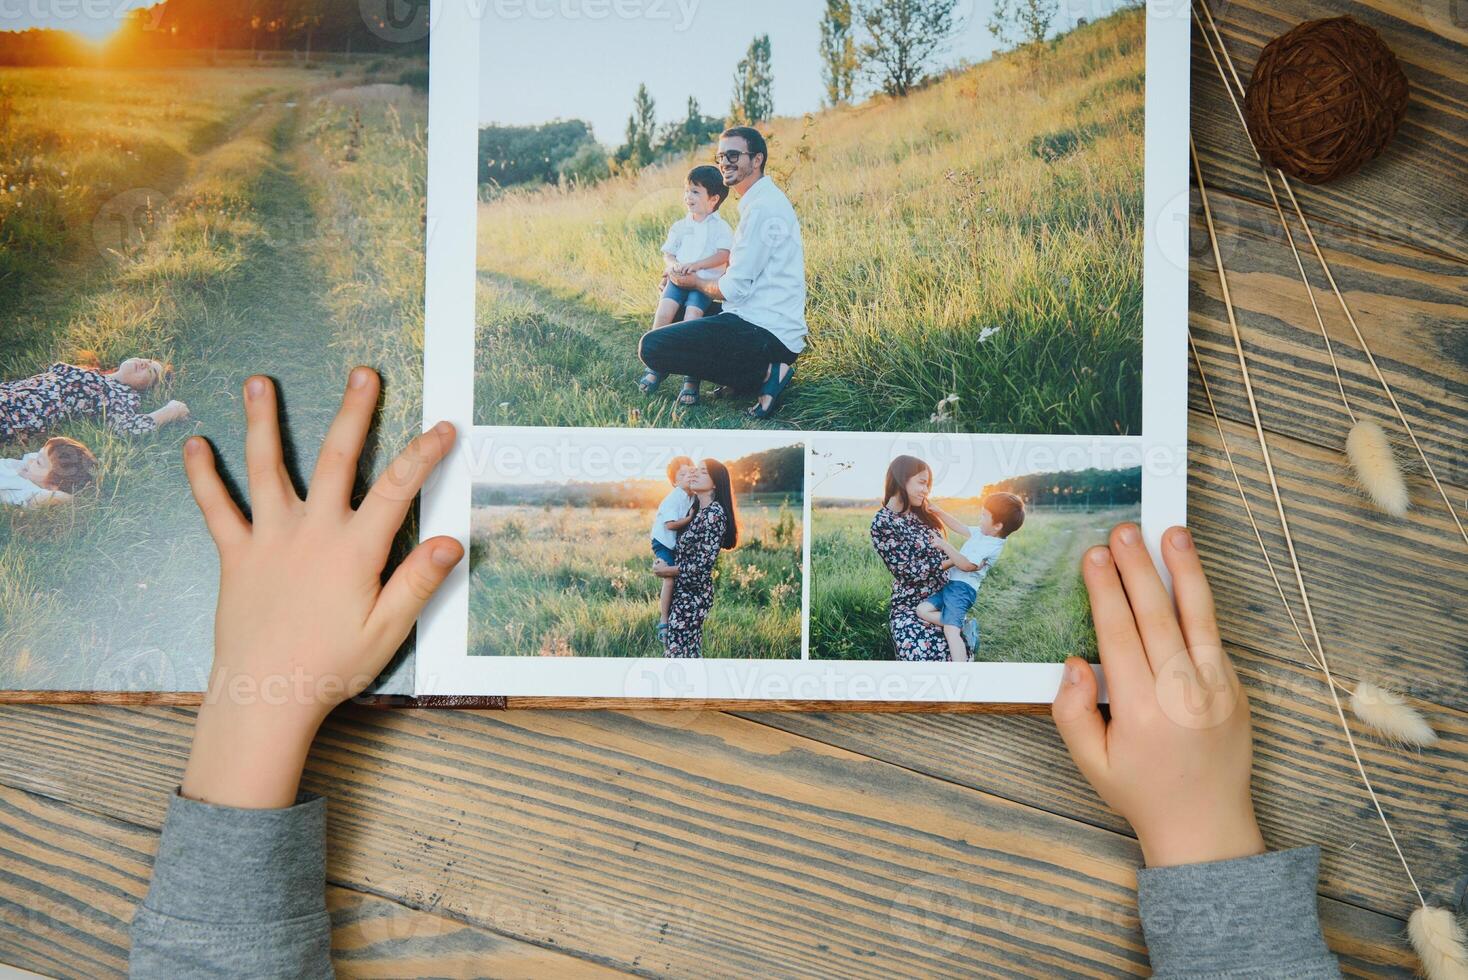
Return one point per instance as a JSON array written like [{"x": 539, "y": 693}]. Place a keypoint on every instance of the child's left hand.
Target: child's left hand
[{"x": 303, "y": 620}]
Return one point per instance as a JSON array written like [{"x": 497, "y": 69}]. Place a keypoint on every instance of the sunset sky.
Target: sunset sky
[
  {"x": 961, "y": 465},
  {"x": 92, "y": 19}
]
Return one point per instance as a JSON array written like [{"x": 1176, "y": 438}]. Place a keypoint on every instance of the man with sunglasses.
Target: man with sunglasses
[{"x": 754, "y": 342}]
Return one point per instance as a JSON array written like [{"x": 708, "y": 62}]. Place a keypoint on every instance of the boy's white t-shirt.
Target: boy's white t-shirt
[
  {"x": 694, "y": 241},
  {"x": 673, "y": 508},
  {"x": 977, "y": 549},
  {"x": 15, "y": 489}
]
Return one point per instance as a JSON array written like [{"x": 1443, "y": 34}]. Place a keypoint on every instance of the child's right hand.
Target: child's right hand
[
  {"x": 303, "y": 621},
  {"x": 1175, "y": 759}
]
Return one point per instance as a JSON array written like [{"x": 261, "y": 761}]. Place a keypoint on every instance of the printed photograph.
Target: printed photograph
[
  {"x": 961, "y": 549},
  {"x": 189, "y": 193},
  {"x": 856, "y": 215},
  {"x": 608, "y": 544}
]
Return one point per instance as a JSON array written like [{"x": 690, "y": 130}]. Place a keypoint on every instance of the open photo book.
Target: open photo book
[{"x": 797, "y": 351}]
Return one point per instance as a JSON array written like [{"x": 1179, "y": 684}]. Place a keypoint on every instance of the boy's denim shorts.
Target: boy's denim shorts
[
  {"x": 687, "y": 297},
  {"x": 953, "y": 601},
  {"x": 664, "y": 552}
]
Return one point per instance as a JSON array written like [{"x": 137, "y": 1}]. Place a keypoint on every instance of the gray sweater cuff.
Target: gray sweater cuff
[
  {"x": 224, "y": 864},
  {"x": 1247, "y": 917},
  {"x": 236, "y": 894}
]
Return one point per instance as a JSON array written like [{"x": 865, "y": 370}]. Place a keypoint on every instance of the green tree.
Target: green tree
[
  {"x": 839, "y": 62},
  {"x": 902, "y": 36},
  {"x": 754, "y": 81},
  {"x": 692, "y": 131},
  {"x": 637, "y": 151},
  {"x": 1023, "y": 23}
]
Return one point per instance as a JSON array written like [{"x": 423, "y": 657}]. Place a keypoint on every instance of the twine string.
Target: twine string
[{"x": 1285, "y": 524}]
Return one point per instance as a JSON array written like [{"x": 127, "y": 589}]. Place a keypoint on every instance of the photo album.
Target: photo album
[{"x": 797, "y": 351}]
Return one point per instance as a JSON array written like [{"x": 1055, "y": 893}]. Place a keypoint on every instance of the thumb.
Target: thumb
[
  {"x": 1079, "y": 722},
  {"x": 411, "y": 586}
]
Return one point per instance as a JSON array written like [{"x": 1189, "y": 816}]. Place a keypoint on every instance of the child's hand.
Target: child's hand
[
  {"x": 303, "y": 621},
  {"x": 1175, "y": 758}
]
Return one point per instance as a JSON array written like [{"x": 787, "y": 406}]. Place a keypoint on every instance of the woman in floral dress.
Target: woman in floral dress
[
  {"x": 64, "y": 391},
  {"x": 902, "y": 533},
  {"x": 714, "y": 528}
]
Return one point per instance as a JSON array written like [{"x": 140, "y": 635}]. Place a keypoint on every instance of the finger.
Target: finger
[
  {"x": 410, "y": 588},
  {"x": 1079, "y": 721},
  {"x": 227, "y": 526},
  {"x": 336, "y": 463},
  {"x": 1194, "y": 598},
  {"x": 1150, "y": 604},
  {"x": 387, "y": 503},
  {"x": 270, "y": 486},
  {"x": 1128, "y": 677}
]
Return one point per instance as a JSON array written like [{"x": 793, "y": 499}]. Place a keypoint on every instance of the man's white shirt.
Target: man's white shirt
[{"x": 765, "y": 283}]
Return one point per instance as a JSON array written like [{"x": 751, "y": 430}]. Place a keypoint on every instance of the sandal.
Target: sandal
[
  {"x": 774, "y": 386},
  {"x": 649, "y": 382},
  {"x": 688, "y": 397}
]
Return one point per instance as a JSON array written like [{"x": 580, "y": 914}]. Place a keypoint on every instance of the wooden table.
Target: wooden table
[{"x": 708, "y": 843}]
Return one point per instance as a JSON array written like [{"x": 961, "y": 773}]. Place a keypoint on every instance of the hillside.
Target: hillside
[{"x": 981, "y": 237}]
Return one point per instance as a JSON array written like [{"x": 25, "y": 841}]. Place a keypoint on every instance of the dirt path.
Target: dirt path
[{"x": 137, "y": 610}]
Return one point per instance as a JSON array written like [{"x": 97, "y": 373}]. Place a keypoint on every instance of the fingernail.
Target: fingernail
[
  {"x": 1129, "y": 534},
  {"x": 255, "y": 387},
  {"x": 444, "y": 428},
  {"x": 193, "y": 445},
  {"x": 358, "y": 378},
  {"x": 1182, "y": 540},
  {"x": 445, "y": 556},
  {"x": 1098, "y": 556},
  {"x": 1072, "y": 672}
]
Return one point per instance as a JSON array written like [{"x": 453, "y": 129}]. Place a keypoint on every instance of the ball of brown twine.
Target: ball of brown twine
[{"x": 1325, "y": 98}]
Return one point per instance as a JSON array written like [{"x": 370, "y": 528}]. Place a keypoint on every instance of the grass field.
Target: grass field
[
  {"x": 1002, "y": 197},
  {"x": 576, "y": 581},
  {"x": 1032, "y": 607},
  {"x": 281, "y": 232}
]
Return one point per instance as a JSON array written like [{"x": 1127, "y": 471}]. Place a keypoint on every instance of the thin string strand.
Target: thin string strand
[
  {"x": 1325, "y": 267},
  {"x": 1285, "y": 524},
  {"x": 1289, "y": 235},
  {"x": 1249, "y": 510}
]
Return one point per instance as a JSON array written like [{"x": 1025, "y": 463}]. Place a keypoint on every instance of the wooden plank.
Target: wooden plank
[
  {"x": 675, "y": 843},
  {"x": 70, "y": 882},
  {"x": 1414, "y": 192},
  {"x": 1388, "y": 595},
  {"x": 1409, "y": 306}
]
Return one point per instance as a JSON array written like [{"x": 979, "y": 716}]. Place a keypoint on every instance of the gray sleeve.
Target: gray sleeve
[
  {"x": 236, "y": 893},
  {"x": 1245, "y": 918}
]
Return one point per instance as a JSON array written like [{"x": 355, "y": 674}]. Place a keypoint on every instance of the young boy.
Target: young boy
[
  {"x": 48, "y": 476},
  {"x": 699, "y": 242},
  {"x": 1000, "y": 515},
  {"x": 672, "y": 517}
]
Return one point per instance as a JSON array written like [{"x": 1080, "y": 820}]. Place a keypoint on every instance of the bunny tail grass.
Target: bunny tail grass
[
  {"x": 1440, "y": 944},
  {"x": 1390, "y": 714},
  {"x": 1376, "y": 467}
]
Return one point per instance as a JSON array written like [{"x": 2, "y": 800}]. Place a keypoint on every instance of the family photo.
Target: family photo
[
  {"x": 832, "y": 216},
  {"x": 585, "y": 546},
  {"x": 192, "y": 193},
  {"x": 960, "y": 550}
]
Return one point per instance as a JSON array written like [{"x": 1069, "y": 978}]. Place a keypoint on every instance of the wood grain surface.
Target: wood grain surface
[{"x": 721, "y": 842}]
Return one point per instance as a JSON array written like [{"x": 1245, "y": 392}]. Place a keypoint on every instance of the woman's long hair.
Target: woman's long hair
[
  {"x": 724, "y": 495},
  {"x": 901, "y": 470}
]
